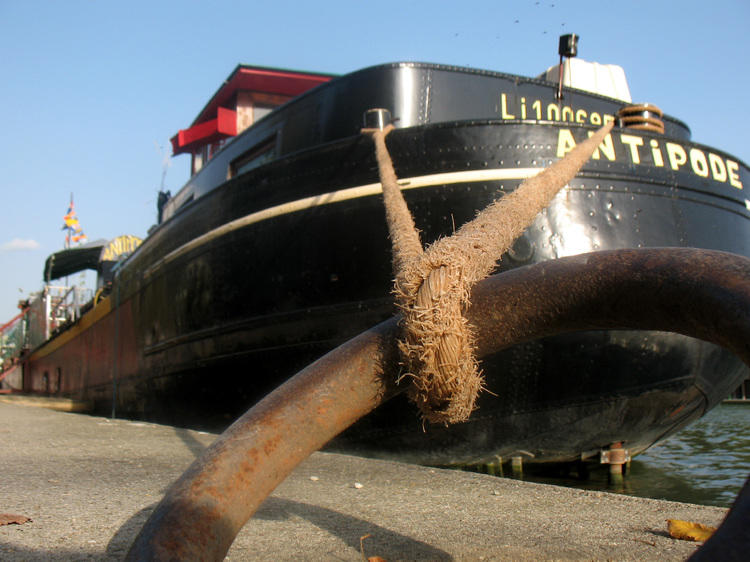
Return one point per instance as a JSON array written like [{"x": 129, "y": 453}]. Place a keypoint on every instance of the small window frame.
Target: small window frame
[{"x": 260, "y": 154}]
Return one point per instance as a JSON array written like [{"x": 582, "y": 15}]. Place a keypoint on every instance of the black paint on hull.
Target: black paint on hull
[{"x": 221, "y": 318}]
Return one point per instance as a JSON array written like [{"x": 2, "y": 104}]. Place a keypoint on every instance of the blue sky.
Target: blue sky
[{"x": 91, "y": 91}]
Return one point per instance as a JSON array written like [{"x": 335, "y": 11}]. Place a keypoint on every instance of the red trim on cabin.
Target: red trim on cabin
[
  {"x": 224, "y": 126},
  {"x": 263, "y": 80},
  {"x": 212, "y": 123}
]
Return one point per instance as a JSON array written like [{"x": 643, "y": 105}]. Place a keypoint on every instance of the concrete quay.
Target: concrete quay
[{"x": 89, "y": 483}]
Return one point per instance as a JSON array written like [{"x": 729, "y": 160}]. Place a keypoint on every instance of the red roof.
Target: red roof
[{"x": 210, "y": 126}]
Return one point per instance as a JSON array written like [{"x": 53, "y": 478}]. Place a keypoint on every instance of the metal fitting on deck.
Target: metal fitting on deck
[
  {"x": 377, "y": 118},
  {"x": 644, "y": 116}
]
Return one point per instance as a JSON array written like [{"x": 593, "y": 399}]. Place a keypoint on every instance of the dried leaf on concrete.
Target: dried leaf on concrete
[
  {"x": 689, "y": 531},
  {"x": 13, "y": 519}
]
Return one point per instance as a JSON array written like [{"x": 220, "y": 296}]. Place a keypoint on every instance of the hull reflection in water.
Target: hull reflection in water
[{"x": 706, "y": 463}]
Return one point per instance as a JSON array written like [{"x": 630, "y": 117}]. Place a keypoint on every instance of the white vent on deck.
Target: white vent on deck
[{"x": 603, "y": 79}]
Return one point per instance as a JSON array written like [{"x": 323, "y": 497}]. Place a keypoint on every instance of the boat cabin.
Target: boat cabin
[{"x": 246, "y": 96}]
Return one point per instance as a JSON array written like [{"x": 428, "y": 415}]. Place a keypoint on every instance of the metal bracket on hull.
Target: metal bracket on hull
[
  {"x": 617, "y": 458},
  {"x": 614, "y": 456},
  {"x": 206, "y": 507}
]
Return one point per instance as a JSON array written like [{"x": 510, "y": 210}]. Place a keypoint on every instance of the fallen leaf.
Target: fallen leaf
[
  {"x": 689, "y": 531},
  {"x": 12, "y": 519}
]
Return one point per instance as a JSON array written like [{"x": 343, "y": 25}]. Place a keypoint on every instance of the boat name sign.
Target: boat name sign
[
  {"x": 640, "y": 150},
  {"x": 672, "y": 155}
]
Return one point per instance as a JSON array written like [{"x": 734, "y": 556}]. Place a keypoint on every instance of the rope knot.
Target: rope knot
[{"x": 432, "y": 287}]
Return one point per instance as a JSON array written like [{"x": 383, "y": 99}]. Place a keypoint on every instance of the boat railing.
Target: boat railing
[
  {"x": 66, "y": 304},
  {"x": 44, "y": 315},
  {"x": 12, "y": 340},
  {"x": 55, "y": 308}
]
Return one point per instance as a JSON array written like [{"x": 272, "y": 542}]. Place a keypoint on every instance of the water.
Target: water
[{"x": 706, "y": 463}]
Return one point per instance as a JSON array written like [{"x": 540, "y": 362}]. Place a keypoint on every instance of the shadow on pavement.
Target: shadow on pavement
[{"x": 382, "y": 542}]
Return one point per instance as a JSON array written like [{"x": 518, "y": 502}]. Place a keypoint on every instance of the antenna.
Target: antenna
[
  {"x": 165, "y": 164},
  {"x": 163, "y": 196},
  {"x": 568, "y": 47}
]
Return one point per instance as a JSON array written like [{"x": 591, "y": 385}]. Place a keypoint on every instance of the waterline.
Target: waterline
[{"x": 706, "y": 463}]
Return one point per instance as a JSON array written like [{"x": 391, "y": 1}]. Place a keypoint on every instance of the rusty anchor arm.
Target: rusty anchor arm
[{"x": 699, "y": 293}]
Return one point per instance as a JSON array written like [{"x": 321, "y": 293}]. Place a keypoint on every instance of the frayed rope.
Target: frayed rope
[{"x": 432, "y": 287}]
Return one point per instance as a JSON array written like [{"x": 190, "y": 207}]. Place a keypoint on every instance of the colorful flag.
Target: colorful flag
[
  {"x": 73, "y": 229},
  {"x": 70, "y": 219}
]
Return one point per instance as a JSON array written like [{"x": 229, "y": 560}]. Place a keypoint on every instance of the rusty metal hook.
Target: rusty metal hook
[{"x": 699, "y": 293}]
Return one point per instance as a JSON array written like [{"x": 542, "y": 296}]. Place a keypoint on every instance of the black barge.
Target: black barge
[{"x": 276, "y": 251}]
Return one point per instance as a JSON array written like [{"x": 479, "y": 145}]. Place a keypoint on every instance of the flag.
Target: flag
[
  {"x": 73, "y": 229},
  {"x": 70, "y": 220}
]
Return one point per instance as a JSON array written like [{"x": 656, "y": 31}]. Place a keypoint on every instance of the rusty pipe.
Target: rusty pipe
[
  {"x": 205, "y": 508},
  {"x": 699, "y": 293}
]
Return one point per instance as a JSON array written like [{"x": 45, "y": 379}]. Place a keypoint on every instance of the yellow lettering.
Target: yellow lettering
[
  {"x": 698, "y": 162},
  {"x": 656, "y": 153},
  {"x": 565, "y": 142},
  {"x": 504, "y": 104},
  {"x": 595, "y": 118},
  {"x": 553, "y": 112},
  {"x": 120, "y": 246},
  {"x": 734, "y": 177},
  {"x": 537, "y": 106},
  {"x": 606, "y": 146},
  {"x": 523, "y": 108},
  {"x": 581, "y": 116},
  {"x": 633, "y": 142},
  {"x": 718, "y": 169},
  {"x": 567, "y": 114},
  {"x": 608, "y": 118},
  {"x": 676, "y": 154}
]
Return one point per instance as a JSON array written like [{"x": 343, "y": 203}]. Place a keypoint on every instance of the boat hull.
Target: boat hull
[{"x": 256, "y": 278}]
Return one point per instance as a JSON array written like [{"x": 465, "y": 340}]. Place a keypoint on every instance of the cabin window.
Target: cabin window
[
  {"x": 198, "y": 159},
  {"x": 254, "y": 158},
  {"x": 260, "y": 111}
]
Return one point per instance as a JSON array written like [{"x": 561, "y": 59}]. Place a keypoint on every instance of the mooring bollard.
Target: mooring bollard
[
  {"x": 616, "y": 457},
  {"x": 205, "y": 508}
]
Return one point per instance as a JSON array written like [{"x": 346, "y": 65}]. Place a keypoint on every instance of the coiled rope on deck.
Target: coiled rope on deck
[{"x": 432, "y": 286}]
